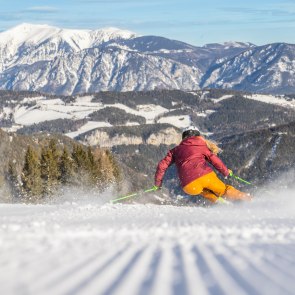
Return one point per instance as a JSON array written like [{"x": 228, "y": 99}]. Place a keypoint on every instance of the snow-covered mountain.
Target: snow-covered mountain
[
  {"x": 62, "y": 61},
  {"x": 200, "y": 57},
  {"x": 230, "y": 44},
  {"x": 268, "y": 69},
  {"x": 28, "y": 44},
  {"x": 49, "y": 59},
  {"x": 97, "y": 69}
]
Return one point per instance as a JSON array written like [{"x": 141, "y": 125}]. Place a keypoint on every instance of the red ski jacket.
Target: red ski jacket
[{"x": 191, "y": 158}]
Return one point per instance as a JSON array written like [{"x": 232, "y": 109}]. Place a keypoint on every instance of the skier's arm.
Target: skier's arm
[
  {"x": 217, "y": 163},
  {"x": 162, "y": 167}
]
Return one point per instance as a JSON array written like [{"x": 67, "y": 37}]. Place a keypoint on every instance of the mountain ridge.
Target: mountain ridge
[
  {"x": 271, "y": 63},
  {"x": 65, "y": 62}
]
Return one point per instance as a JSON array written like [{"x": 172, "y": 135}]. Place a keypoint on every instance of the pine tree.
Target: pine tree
[
  {"x": 92, "y": 170},
  {"x": 106, "y": 164},
  {"x": 12, "y": 179},
  {"x": 99, "y": 171},
  {"x": 31, "y": 174},
  {"x": 49, "y": 169},
  {"x": 81, "y": 165},
  {"x": 80, "y": 158},
  {"x": 66, "y": 167},
  {"x": 90, "y": 159},
  {"x": 54, "y": 150},
  {"x": 115, "y": 168}
]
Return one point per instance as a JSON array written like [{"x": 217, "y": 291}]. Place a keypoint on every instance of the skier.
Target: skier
[{"x": 191, "y": 158}]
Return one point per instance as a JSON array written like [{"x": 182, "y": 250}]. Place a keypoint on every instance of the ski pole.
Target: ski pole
[
  {"x": 134, "y": 194},
  {"x": 240, "y": 179}
]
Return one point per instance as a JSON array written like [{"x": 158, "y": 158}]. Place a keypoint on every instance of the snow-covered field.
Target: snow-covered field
[
  {"x": 52, "y": 109},
  {"x": 94, "y": 247},
  {"x": 271, "y": 99}
]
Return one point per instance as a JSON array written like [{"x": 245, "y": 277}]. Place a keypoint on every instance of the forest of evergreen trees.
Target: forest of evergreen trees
[{"x": 45, "y": 171}]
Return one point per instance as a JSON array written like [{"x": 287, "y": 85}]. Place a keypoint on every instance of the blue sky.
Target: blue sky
[{"x": 193, "y": 21}]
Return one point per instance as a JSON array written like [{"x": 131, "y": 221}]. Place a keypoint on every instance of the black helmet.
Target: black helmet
[{"x": 190, "y": 131}]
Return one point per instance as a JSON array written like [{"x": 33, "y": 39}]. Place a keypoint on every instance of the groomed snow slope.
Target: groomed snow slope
[{"x": 90, "y": 248}]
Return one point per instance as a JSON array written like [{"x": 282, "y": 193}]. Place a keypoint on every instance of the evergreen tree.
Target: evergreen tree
[
  {"x": 12, "y": 179},
  {"x": 99, "y": 171},
  {"x": 54, "y": 150},
  {"x": 106, "y": 164},
  {"x": 80, "y": 158},
  {"x": 81, "y": 165},
  {"x": 90, "y": 160},
  {"x": 66, "y": 167},
  {"x": 94, "y": 167},
  {"x": 116, "y": 174},
  {"x": 94, "y": 173},
  {"x": 31, "y": 174},
  {"x": 49, "y": 169}
]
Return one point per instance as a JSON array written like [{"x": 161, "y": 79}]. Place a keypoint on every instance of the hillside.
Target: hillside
[
  {"x": 263, "y": 69},
  {"x": 216, "y": 111},
  {"x": 262, "y": 155},
  {"x": 14, "y": 163}
]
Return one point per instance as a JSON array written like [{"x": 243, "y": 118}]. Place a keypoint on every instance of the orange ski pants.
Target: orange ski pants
[{"x": 211, "y": 187}]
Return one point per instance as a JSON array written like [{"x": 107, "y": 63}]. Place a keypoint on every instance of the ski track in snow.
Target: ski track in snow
[{"x": 90, "y": 248}]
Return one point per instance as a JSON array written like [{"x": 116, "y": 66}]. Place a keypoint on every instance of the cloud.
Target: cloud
[{"x": 41, "y": 9}]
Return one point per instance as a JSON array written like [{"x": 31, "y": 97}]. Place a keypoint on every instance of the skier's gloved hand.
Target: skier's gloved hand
[
  {"x": 155, "y": 187},
  {"x": 230, "y": 173}
]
